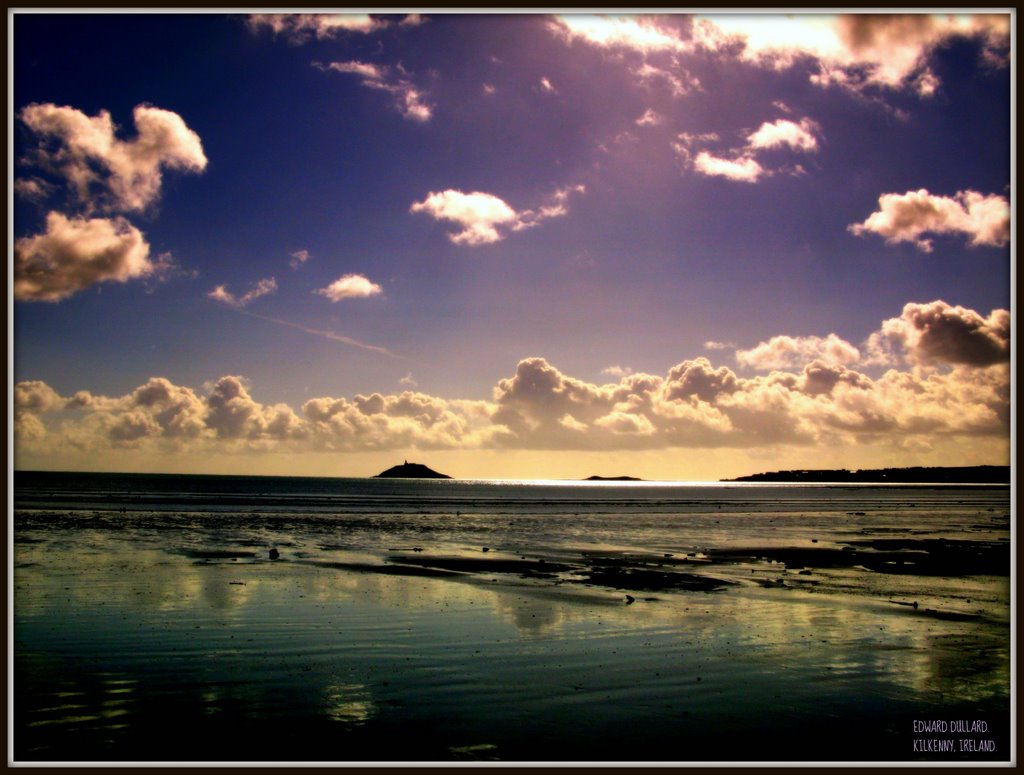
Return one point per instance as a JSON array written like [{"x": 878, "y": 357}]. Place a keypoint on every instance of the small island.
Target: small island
[
  {"x": 411, "y": 471},
  {"x": 612, "y": 479},
  {"x": 918, "y": 475}
]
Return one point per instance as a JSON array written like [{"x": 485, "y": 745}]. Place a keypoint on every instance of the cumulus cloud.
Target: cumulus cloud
[
  {"x": 696, "y": 404},
  {"x": 409, "y": 100},
  {"x": 739, "y": 163},
  {"x": 785, "y": 133},
  {"x": 105, "y": 172},
  {"x": 984, "y": 219},
  {"x": 782, "y": 352},
  {"x": 298, "y": 258},
  {"x": 264, "y": 287},
  {"x": 742, "y": 168},
  {"x": 302, "y": 27},
  {"x": 76, "y": 253},
  {"x": 481, "y": 215},
  {"x": 939, "y": 333},
  {"x": 853, "y": 51},
  {"x": 350, "y": 286}
]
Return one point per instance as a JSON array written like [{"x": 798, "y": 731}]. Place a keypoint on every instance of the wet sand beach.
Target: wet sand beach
[{"x": 623, "y": 624}]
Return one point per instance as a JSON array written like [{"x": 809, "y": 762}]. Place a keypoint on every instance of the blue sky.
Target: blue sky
[{"x": 546, "y": 224}]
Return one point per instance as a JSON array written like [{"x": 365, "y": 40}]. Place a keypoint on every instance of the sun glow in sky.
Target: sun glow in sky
[{"x": 528, "y": 246}]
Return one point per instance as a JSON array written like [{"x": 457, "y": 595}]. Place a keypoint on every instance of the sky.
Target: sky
[{"x": 510, "y": 246}]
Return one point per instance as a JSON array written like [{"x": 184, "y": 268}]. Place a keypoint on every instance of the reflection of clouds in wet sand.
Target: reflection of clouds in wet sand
[
  {"x": 348, "y": 703},
  {"x": 846, "y": 639}
]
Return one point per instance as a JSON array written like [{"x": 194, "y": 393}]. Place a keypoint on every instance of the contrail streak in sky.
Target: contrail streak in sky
[{"x": 325, "y": 334}]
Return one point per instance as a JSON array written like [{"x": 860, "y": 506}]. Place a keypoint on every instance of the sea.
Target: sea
[{"x": 243, "y": 619}]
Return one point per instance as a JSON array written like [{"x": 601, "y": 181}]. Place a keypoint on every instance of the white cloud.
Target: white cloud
[
  {"x": 545, "y": 86},
  {"x": 713, "y": 345},
  {"x": 783, "y": 132},
  {"x": 743, "y": 168},
  {"x": 301, "y": 27},
  {"x": 408, "y": 380},
  {"x": 409, "y": 100},
  {"x": 636, "y": 33},
  {"x": 679, "y": 81},
  {"x": 480, "y": 214},
  {"x": 264, "y": 287},
  {"x": 985, "y": 219},
  {"x": 617, "y": 371},
  {"x": 75, "y": 253},
  {"x": 740, "y": 163},
  {"x": 782, "y": 352},
  {"x": 128, "y": 174},
  {"x": 298, "y": 258},
  {"x": 350, "y": 286},
  {"x": 489, "y": 89},
  {"x": 853, "y": 51}
]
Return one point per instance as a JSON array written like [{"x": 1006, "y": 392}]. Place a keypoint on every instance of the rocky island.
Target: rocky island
[
  {"x": 410, "y": 471},
  {"x": 612, "y": 479}
]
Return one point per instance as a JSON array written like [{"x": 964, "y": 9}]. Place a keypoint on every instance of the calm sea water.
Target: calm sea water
[{"x": 521, "y": 621}]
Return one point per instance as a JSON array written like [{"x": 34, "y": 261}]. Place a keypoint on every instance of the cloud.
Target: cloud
[
  {"x": 489, "y": 89},
  {"x": 740, "y": 163},
  {"x": 713, "y": 345},
  {"x": 852, "y": 51},
  {"x": 298, "y": 258},
  {"x": 407, "y": 380},
  {"x": 105, "y": 172},
  {"x": 301, "y": 27},
  {"x": 964, "y": 399},
  {"x": 782, "y": 133},
  {"x": 350, "y": 286},
  {"x": 742, "y": 168},
  {"x": 937, "y": 333},
  {"x": 650, "y": 117},
  {"x": 479, "y": 215},
  {"x": 781, "y": 352},
  {"x": 636, "y": 33},
  {"x": 617, "y": 371},
  {"x": 409, "y": 100},
  {"x": 34, "y": 189},
  {"x": 75, "y": 253},
  {"x": 679, "y": 81},
  {"x": 985, "y": 219},
  {"x": 265, "y": 286},
  {"x": 643, "y": 38},
  {"x": 545, "y": 86}
]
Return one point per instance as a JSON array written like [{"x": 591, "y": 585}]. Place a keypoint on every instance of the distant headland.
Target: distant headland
[
  {"x": 612, "y": 479},
  {"x": 411, "y": 471},
  {"x": 918, "y": 474}
]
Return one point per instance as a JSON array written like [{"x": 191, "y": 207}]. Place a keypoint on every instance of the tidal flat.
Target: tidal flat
[{"x": 518, "y": 622}]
